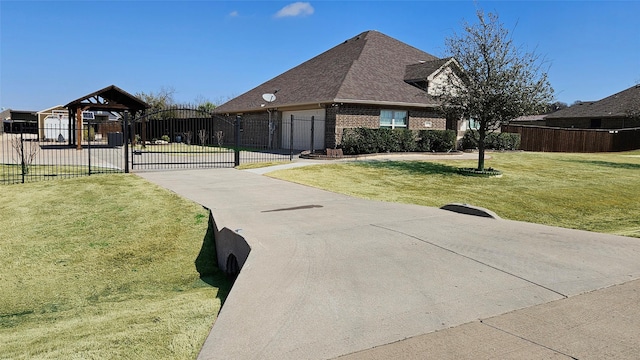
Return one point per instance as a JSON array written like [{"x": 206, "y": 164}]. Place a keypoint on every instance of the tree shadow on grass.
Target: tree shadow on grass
[
  {"x": 207, "y": 265},
  {"x": 615, "y": 165},
  {"x": 411, "y": 167}
]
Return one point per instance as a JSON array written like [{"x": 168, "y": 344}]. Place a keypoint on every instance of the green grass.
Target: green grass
[
  {"x": 181, "y": 148},
  {"x": 107, "y": 266},
  {"x": 10, "y": 173},
  {"x": 258, "y": 165},
  {"x": 595, "y": 192}
]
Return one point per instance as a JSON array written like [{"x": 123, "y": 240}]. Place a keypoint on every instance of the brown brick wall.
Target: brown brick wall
[
  {"x": 417, "y": 118},
  {"x": 346, "y": 116},
  {"x": 354, "y": 116},
  {"x": 330, "y": 127}
]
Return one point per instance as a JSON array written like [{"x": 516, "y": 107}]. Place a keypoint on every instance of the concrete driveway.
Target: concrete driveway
[{"x": 329, "y": 276}]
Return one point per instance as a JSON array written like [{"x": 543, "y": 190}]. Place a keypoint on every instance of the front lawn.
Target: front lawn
[
  {"x": 104, "y": 267},
  {"x": 595, "y": 192}
]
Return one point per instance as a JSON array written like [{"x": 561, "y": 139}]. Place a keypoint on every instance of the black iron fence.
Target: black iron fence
[
  {"x": 188, "y": 138},
  {"x": 172, "y": 138},
  {"x": 179, "y": 138},
  {"x": 47, "y": 154}
]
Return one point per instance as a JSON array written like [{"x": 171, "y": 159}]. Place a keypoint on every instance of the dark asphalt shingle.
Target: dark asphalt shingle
[{"x": 369, "y": 67}]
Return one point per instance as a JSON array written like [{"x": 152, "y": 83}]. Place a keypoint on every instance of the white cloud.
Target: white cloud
[
  {"x": 234, "y": 14},
  {"x": 296, "y": 9}
]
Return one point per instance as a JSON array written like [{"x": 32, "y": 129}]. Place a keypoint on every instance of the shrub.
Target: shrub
[
  {"x": 436, "y": 140},
  {"x": 370, "y": 141},
  {"x": 406, "y": 140},
  {"x": 493, "y": 141},
  {"x": 165, "y": 138},
  {"x": 505, "y": 141},
  {"x": 352, "y": 142}
]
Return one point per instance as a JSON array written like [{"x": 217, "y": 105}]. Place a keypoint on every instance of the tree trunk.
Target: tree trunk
[{"x": 482, "y": 135}]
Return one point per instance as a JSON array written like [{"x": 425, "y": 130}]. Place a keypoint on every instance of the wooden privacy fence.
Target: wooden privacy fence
[{"x": 541, "y": 138}]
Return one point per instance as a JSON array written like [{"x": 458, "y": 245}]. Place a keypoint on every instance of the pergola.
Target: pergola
[{"x": 111, "y": 98}]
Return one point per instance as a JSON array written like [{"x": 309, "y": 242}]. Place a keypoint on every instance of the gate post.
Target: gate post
[
  {"x": 89, "y": 144},
  {"x": 125, "y": 135},
  {"x": 237, "y": 140},
  {"x": 312, "y": 134},
  {"x": 291, "y": 141},
  {"x": 23, "y": 166}
]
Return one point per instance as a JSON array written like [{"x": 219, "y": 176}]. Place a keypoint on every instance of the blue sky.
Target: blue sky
[{"x": 53, "y": 52}]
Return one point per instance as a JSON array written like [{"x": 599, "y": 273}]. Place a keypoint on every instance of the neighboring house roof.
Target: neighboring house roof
[
  {"x": 57, "y": 107},
  {"x": 530, "y": 118},
  {"x": 616, "y": 105},
  {"x": 369, "y": 68},
  {"x": 17, "y": 115}
]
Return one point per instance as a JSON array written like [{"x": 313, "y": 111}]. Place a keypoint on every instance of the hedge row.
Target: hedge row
[
  {"x": 371, "y": 141},
  {"x": 493, "y": 141}
]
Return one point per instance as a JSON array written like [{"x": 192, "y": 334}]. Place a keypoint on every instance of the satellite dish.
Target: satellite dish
[{"x": 269, "y": 97}]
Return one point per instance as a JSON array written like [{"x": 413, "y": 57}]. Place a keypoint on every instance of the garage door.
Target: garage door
[{"x": 302, "y": 129}]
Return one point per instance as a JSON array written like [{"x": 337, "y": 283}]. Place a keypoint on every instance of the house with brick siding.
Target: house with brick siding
[
  {"x": 618, "y": 111},
  {"x": 370, "y": 80}
]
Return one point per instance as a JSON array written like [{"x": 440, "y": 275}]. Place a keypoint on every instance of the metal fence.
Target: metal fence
[
  {"x": 185, "y": 139},
  {"x": 177, "y": 138},
  {"x": 28, "y": 156},
  {"x": 188, "y": 138}
]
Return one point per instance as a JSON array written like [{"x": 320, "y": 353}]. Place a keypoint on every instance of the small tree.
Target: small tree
[
  {"x": 159, "y": 100},
  {"x": 202, "y": 135},
  {"x": 496, "y": 81},
  {"x": 25, "y": 152},
  {"x": 188, "y": 135},
  {"x": 220, "y": 137},
  {"x": 206, "y": 106}
]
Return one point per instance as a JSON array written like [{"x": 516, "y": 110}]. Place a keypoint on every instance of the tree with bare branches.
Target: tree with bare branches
[
  {"x": 25, "y": 152},
  {"x": 495, "y": 81}
]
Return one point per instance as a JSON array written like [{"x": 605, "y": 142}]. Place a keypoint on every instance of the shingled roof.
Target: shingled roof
[
  {"x": 368, "y": 68},
  {"x": 111, "y": 98},
  {"x": 616, "y": 105},
  {"x": 422, "y": 70}
]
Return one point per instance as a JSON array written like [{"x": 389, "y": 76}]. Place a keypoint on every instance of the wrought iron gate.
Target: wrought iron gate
[
  {"x": 180, "y": 138},
  {"x": 193, "y": 138}
]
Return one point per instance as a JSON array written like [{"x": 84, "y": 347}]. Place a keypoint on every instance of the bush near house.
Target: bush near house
[
  {"x": 437, "y": 140},
  {"x": 494, "y": 141},
  {"x": 370, "y": 141}
]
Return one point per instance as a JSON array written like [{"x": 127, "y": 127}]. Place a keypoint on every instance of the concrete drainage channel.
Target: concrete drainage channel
[
  {"x": 232, "y": 250},
  {"x": 470, "y": 210}
]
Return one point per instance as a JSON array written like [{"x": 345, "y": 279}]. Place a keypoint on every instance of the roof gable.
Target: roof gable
[
  {"x": 368, "y": 68},
  {"x": 423, "y": 70},
  {"x": 111, "y": 98},
  {"x": 616, "y": 105}
]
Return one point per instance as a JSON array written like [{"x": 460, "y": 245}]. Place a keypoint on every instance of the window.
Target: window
[{"x": 393, "y": 119}]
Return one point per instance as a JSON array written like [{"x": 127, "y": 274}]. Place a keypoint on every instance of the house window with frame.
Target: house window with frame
[{"x": 393, "y": 119}]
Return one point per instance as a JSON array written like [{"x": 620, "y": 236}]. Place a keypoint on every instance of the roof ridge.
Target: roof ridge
[
  {"x": 367, "y": 67},
  {"x": 354, "y": 61}
]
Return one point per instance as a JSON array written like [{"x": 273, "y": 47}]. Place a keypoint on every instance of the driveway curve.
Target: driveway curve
[{"x": 330, "y": 275}]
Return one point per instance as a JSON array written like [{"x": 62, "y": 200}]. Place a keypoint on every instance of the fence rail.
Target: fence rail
[
  {"x": 27, "y": 157},
  {"x": 171, "y": 139},
  {"x": 547, "y": 139}
]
